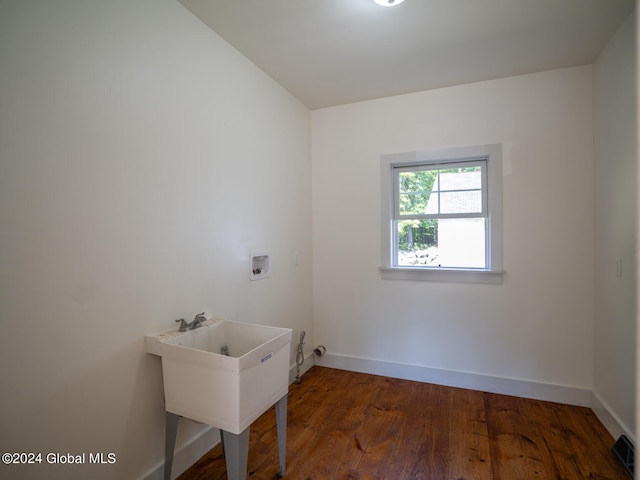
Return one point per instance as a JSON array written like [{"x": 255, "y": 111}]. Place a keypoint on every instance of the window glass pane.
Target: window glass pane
[
  {"x": 461, "y": 202},
  {"x": 456, "y": 242},
  {"x": 464, "y": 178},
  {"x": 414, "y": 190},
  {"x": 461, "y": 242}
]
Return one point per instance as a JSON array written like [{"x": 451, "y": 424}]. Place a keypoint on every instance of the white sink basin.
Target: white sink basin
[{"x": 227, "y": 392}]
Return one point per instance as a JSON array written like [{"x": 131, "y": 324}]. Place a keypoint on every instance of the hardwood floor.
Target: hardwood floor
[{"x": 346, "y": 425}]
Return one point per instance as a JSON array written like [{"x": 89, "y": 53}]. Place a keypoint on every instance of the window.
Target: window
[{"x": 442, "y": 214}]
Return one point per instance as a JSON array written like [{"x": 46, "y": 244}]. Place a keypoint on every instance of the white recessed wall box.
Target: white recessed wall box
[{"x": 260, "y": 267}]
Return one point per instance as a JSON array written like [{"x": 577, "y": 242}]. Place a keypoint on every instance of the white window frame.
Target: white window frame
[{"x": 492, "y": 155}]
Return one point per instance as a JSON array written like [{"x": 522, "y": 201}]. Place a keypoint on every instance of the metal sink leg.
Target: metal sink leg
[
  {"x": 281, "y": 426},
  {"x": 236, "y": 450},
  {"x": 171, "y": 429}
]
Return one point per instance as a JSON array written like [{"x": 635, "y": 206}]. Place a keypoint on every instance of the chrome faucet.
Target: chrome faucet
[{"x": 197, "y": 322}]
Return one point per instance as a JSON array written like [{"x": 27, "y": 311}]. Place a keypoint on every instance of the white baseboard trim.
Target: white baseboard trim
[
  {"x": 610, "y": 420},
  {"x": 485, "y": 383}
]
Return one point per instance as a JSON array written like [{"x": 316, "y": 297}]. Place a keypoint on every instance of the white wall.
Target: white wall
[
  {"x": 615, "y": 238},
  {"x": 538, "y": 325},
  {"x": 141, "y": 160}
]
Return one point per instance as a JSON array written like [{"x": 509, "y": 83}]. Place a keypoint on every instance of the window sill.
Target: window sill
[{"x": 442, "y": 274}]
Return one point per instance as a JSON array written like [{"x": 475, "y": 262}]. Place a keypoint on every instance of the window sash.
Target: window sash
[{"x": 438, "y": 191}]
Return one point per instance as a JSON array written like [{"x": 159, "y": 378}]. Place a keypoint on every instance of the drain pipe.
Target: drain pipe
[{"x": 300, "y": 357}]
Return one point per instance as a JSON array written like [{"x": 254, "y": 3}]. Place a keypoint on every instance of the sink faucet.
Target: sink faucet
[{"x": 197, "y": 322}]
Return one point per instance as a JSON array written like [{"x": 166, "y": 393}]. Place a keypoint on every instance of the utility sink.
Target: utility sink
[{"x": 224, "y": 374}]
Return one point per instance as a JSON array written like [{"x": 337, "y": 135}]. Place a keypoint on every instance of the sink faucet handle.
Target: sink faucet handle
[
  {"x": 183, "y": 325},
  {"x": 197, "y": 321}
]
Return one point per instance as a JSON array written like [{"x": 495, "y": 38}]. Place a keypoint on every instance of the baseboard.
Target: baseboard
[
  {"x": 610, "y": 420},
  {"x": 485, "y": 383}
]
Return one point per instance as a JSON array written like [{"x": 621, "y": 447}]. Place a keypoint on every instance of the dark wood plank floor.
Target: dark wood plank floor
[{"x": 346, "y": 425}]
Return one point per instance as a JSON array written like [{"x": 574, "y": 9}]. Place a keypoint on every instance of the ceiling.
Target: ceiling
[{"x": 332, "y": 52}]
